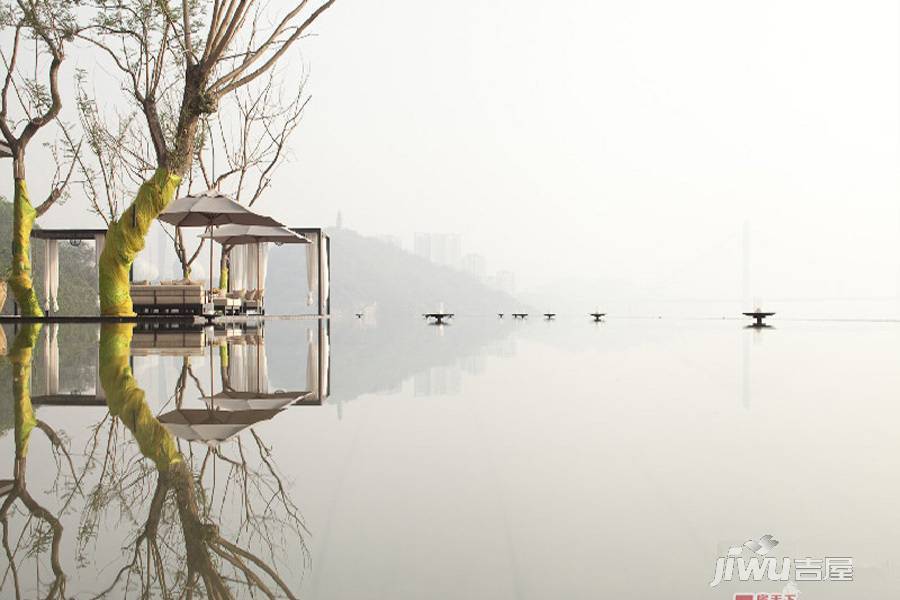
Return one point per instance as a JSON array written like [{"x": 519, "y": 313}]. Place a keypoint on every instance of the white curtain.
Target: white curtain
[
  {"x": 263, "y": 264},
  {"x": 251, "y": 263},
  {"x": 312, "y": 363},
  {"x": 51, "y": 274},
  {"x": 326, "y": 361},
  {"x": 237, "y": 375},
  {"x": 236, "y": 268},
  {"x": 312, "y": 268},
  {"x": 326, "y": 276},
  {"x": 262, "y": 368},
  {"x": 99, "y": 242},
  {"x": 248, "y": 369},
  {"x": 51, "y": 360}
]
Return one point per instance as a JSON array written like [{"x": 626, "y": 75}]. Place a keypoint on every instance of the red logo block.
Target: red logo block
[{"x": 745, "y": 597}]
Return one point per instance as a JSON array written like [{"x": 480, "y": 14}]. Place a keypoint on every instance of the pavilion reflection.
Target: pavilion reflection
[
  {"x": 213, "y": 519},
  {"x": 244, "y": 397},
  {"x": 208, "y": 558},
  {"x": 240, "y": 352}
]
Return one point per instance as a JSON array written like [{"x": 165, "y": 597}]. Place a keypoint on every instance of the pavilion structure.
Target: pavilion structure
[
  {"x": 318, "y": 267},
  {"x": 244, "y": 261},
  {"x": 51, "y": 239}
]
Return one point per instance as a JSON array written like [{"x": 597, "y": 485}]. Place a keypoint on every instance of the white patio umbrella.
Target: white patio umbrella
[
  {"x": 211, "y": 209},
  {"x": 211, "y": 426},
  {"x": 235, "y": 235}
]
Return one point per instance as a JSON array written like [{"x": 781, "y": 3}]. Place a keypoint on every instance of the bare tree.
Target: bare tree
[
  {"x": 155, "y": 43},
  {"x": 49, "y": 24},
  {"x": 250, "y": 138},
  {"x": 117, "y": 156}
]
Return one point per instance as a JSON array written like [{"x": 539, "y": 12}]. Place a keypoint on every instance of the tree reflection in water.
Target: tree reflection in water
[
  {"x": 41, "y": 525},
  {"x": 170, "y": 498}
]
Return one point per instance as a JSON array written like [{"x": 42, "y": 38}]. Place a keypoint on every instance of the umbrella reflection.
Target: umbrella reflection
[{"x": 212, "y": 426}]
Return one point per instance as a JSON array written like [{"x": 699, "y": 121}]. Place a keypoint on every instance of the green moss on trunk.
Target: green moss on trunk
[
  {"x": 20, "y": 273},
  {"x": 126, "y": 399},
  {"x": 20, "y": 357},
  {"x": 125, "y": 240}
]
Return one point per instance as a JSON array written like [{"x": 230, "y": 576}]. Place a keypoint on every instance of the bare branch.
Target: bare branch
[{"x": 227, "y": 83}]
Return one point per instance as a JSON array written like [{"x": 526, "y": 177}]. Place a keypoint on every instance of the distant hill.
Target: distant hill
[{"x": 367, "y": 272}]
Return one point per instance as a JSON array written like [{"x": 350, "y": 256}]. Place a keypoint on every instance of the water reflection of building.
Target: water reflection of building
[
  {"x": 503, "y": 348},
  {"x": 69, "y": 377},
  {"x": 475, "y": 364},
  {"x": 393, "y": 356},
  {"x": 63, "y": 377},
  {"x": 438, "y": 381},
  {"x": 244, "y": 370}
]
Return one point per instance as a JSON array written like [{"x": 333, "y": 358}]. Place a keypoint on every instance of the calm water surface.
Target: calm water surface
[{"x": 485, "y": 459}]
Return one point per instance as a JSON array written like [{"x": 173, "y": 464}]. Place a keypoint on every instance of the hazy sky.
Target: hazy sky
[{"x": 624, "y": 141}]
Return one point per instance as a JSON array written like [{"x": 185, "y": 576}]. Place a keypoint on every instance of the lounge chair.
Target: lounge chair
[
  {"x": 170, "y": 297},
  {"x": 226, "y": 304},
  {"x": 253, "y": 302},
  {"x": 166, "y": 342},
  {"x": 237, "y": 300}
]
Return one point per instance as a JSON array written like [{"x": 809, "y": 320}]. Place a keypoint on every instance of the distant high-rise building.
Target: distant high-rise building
[
  {"x": 339, "y": 224},
  {"x": 439, "y": 248},
  {"x": 475, "y": 265},
  {"x": 438, "y": 381},
  {"x": 454, "y": 249},
  {"x": 422, "y": 245}
]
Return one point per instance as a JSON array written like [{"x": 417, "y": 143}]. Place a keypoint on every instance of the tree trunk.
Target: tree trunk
[
  {"x": 125, "y": 398},
  {"x": 223, "y": 271},
  {"x": 20, "y": 274},
  {"x": 20, "y": 355},
  {"x": 125, "y": 239}
]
